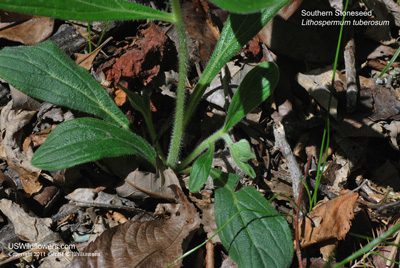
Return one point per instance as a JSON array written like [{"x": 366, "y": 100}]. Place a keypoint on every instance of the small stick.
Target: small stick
[
  {"x": 351, "y": 74},
  {"x": 294, "y": 169},
  {"x": 209, "y": 254},
  {"x": 150, "y": 192}
]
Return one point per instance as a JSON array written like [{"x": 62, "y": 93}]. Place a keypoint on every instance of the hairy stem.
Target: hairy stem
[
  {"x": 199, "y": 149},
  {"x": 180, "y": 98}
]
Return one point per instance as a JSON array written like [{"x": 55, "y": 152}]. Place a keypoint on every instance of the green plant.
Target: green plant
[{"x": 43, "y": 71}]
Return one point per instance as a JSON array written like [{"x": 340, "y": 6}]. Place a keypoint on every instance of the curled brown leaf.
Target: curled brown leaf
[{"x": 155, "y": 243}]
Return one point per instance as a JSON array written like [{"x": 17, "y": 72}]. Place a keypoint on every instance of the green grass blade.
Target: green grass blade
[
  {"x": 324, "y": 146},
  {"x": 390, "y": 62}
]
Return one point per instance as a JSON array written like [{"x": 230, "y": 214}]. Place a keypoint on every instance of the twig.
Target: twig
[
  {"x": 150, "y": 192},
  {"x": 351, "y": 81},
  {"x": 210, "y": 254},
  {"x": 294, "y": 169}
]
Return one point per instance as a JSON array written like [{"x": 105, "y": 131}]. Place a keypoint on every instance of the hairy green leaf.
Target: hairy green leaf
[
  {"x": 85, "y": 10},
  {"x": 254, "y": 89},
  {"x": 238, "y": 30},
  {"x": 241, "y": 153},
  {"x": 201, "y": 169},
  {"x": 87, "y": 139},
  {"x": 45, "y": 72},
  {"x": 258, "y": 236},
  {"x": 245, "y": 6}
]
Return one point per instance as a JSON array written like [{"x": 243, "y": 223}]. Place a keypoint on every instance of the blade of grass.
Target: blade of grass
[
  {"x": 326, "y": 135},
  {"x": 103, "y": 33},
  {"x": 89, "y": 37},
  {"x": 390, "y": 63}
]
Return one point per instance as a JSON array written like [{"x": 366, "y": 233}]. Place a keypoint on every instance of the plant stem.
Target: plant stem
[
  {"x": 89, "y": 37},
  {"x": 180, "y": 96},
  {"x": 103, "y": 33},
  {"x": 325, "y": 146},
  {"x": 204, "y": 145}
]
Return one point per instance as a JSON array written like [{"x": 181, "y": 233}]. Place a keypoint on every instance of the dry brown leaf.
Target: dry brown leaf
[
  {"x": 386, "y": 106},
  {"x": 142, "y": 61},
  {"x": 331, "y": 220},
  {"x": 86, "y": 60},
  {"x": 316, "y": 83},
  {"x": 381, "y": 51},
  {"x": 327, "y": 249},
  {"x": 11, "y": 123},
  {"x": 28, "y": 228},
  {"x": 37, "y": 234},
  {"x": 28, "y": 31},
  {"x": 342, "y": 172},
  {"x": 155, "y": 243},
  {"x": 392, "y": 131},
  {"x": 22, "y": 101},
  {"x": 201, "y": 30},
  {"x": 207, "y": 215},
  {"x": 141, "y": 185}
]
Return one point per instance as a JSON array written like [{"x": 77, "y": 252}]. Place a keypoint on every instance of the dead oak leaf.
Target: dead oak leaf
[
  {"x": 28, "y": 30},
  {"x": 155, "y": 243},
  {"x": 12, "y": 123},
  {"x": 329, "y": 220}
]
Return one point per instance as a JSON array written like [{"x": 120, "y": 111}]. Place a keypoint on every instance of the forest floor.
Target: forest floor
[{"x": 358, "y": 197}]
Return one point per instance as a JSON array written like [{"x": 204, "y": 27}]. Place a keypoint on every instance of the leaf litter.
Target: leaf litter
[
  {"x": 363, "y": 152},
  {"x": 155, "y": 243}
]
